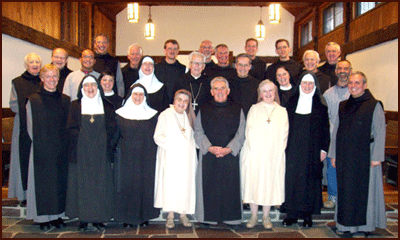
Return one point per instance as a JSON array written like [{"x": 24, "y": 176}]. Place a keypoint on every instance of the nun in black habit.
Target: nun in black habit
[
  {"x": 285, "y": 88},
  {"x": 136, "y": 163},
  {"x": 307, "y": 146},
  {"x": 91, "y": 127},
  {"x": 107, "y": 82},
  {"x": 157, "y": 94}
]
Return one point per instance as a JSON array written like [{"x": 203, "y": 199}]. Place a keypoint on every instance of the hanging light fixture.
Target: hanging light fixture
[
  {"x": 260, "y": 28},
  {"x": 133, "y": 12},
  {"x": 149, "y": 27},
  {"x": 274, "y": 13}
]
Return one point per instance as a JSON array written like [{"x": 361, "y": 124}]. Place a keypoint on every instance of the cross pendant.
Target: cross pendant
[
  {"x": 91, "y": 119},
  {"x": 194, "y": 105},
  {"x": 268, "y": 120}
]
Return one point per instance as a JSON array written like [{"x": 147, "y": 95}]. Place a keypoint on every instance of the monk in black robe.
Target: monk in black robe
[
  {"x": 104, "y": 61},
  {"x": 169, "y": 69},
  {"x": 22, "y": 87},
  {"x": 47, "y": 113},
  {"x": 195, "y": 81},
  {"x": 360, "y": 150},
  {"x": 219, "y": 132},
  {"x": 243, "y": 85},
  {"x": 59, "y": 58}
]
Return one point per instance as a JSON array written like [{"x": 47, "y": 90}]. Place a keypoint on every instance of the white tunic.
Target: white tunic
[
  {"x": 263, "y": 155},
  {"x": 176, "y": 163}
]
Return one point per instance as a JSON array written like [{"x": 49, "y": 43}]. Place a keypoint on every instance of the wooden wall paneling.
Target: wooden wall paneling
[
  {"x": 85, "y": 25},
  {"x": 316, "y": 26},
  {"x": 69, "y": 22},
  {"x": 380, "y": 36},
  {"x": 378, "y": 18},
  {"x": 12, "y": 10},
  {"x": 102, "y": 24},
  {"x": 34, "y": 36},
  {"x": 348, "y": 10},
  {"x": 336, "y": 35},
  {"x": 300, "y": 51}
]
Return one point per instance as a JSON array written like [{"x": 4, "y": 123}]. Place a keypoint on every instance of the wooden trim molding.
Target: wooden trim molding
[
  {"x": 28, "y": 34},
  {"x": 380, "y": 36}
]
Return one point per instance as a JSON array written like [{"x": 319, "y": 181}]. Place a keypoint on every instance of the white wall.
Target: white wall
[
  {"x": 380, "y": 64},
  {"x": 229, "y": 25},
  {"x": 14, "y": 51}
]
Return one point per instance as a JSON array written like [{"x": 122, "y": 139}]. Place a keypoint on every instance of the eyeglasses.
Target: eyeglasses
[
  {"x": 218, "y": 89},
  {"x": 243, "y": 65},
  {"x": 196, "y": 63}
]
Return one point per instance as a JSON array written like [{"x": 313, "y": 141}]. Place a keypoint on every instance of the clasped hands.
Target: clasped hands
[{"x": 219, "y": 152}]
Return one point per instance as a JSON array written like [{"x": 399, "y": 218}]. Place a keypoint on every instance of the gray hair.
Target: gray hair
[
  {"x": 343, "y": 61},
  {"x": 196, "y": 53},
  {"x": 243, "y": 55},
  {"x": 62, "y": 49},
  {"x": 333, "y": 44},
  {"x": 262, "y": 84},
  {"x": 101, "y": 35},
  {"x": 311, "y": 52},
  {"x": 27, "y": 57},
  {"x": 136, "y": 45},
  {"x": 219, "y": 79},
  {"x": 206, "y": 41},
  {"x": 365, "y": 80}
]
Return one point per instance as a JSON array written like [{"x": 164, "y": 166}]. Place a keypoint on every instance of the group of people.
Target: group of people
[{"x": 104, "y": 143}]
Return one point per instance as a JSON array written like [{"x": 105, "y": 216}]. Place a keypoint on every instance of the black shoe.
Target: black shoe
[
  {"x": 307, "y": 222},
  {"x": 58, "y": 223},
  {"x": 44, "y": 226},
  {"x": 289, "y": 221},
  {"x": 99, "y": 226},
  {"x": 127, "y": 225},
  {"x": 144, "y": 224},
  {"x": 83, "y": 226},
  {"x": 360, "y": 235}
]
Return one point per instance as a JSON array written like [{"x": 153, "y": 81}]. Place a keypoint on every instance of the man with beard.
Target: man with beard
[
  {"x": 207, "y": 49},
  {"x": 333, "y": 97}
]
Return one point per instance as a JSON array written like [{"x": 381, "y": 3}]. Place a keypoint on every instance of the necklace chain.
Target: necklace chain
[
  {"x": 269, "y": 115},
  {"x": 197, "y": 95},
  {"x": 179, "y": 123}
]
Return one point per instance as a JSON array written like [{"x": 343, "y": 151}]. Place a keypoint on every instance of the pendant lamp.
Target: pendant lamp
[
  {"x": 260, "y": 28},
  {"x": 274, "y": 13},
  {"x": 149, "y": 28},
  {"x": 133, "y": 12}
]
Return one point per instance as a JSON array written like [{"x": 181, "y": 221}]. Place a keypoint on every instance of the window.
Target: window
[
  {"x": 306, "y": 33},
  {"x": 332, "y": 17},
  {"x": 363, "y": 7}
]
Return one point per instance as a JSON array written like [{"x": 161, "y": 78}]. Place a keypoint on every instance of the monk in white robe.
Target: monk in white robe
[{"x": 176, "y": 160}]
